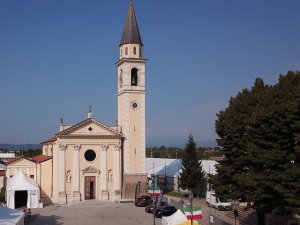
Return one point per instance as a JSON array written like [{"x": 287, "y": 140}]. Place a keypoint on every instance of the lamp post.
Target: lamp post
[{"x": 191, "y": 204}]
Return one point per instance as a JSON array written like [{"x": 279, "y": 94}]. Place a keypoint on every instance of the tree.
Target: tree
[
  {"x": 258, "y": 132},
  {"x": 31, "y": 152},
  {"x": 192, "y": 175}
]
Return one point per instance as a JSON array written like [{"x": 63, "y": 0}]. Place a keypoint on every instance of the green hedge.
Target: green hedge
[{"x": 2, "y": 198}]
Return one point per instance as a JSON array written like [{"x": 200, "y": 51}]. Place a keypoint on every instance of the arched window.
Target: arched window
[
  {"x": 134, "y": 50},
  {"x": 126, "y": 51},
  {"x": 134, "y": 77}
]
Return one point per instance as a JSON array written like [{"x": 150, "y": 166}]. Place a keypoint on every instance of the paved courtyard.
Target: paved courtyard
[
  {"x": 99, "y": 213},
  {"x": 92, "y": 213}
]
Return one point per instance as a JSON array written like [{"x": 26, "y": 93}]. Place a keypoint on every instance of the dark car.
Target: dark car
[
  {"x": 149, "y": 208},
  {"x": 143, "y": 200},
  {"x": 166, "y": 211}
]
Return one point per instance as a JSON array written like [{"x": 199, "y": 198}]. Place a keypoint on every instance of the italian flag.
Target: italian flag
[
  {"x": 154, "y": 191},
  {"x": 197, "y": 213}
]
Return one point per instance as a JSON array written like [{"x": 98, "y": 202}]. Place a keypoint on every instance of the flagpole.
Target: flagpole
[
  {"x": 154, "y": 198},
  {"x": 192, "y": 206}
]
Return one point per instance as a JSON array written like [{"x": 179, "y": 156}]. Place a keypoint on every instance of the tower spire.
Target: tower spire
[{"x": 131, "y": 33}]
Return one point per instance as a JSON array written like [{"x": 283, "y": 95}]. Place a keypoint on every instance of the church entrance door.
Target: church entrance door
[{"x": 89, "y": 187}]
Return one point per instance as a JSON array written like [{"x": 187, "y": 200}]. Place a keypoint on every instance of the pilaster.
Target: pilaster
[
  {"x": 76, "y": 169},
  {"x": 117, "y": 172},
  {"x": 104, "y": 193},
  {"x": 61, "y": 174}
]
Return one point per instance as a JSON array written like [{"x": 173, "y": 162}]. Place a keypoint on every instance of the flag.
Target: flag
[
  {"x": 158, "y": 200},
  {"x": 154, "y": 191},
  {"x": 197, "y": 213}
]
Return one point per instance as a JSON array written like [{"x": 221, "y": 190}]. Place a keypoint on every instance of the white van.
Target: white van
[{"x": 213, "y": 201}]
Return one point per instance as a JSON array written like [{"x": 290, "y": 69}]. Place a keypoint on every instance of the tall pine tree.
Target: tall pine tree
[{"x": 192, "y": 175}]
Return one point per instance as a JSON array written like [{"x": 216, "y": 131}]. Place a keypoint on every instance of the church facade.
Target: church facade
[{"x": 90, "y": 160}]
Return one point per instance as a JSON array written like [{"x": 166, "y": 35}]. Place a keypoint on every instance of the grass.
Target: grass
[{"x": 173, "y": 194}]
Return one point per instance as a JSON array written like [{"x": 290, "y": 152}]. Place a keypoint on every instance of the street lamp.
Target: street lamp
[{"x": 154, "y": 198}]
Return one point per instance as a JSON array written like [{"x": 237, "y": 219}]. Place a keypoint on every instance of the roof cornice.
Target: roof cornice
[{"x": 135, "y": 60}]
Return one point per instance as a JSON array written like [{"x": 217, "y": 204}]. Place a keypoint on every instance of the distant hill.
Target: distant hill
[{"x": 20, "y": 147}]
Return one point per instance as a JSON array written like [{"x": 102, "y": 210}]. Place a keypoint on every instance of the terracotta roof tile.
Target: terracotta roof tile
[
  {"x": 16, "y": 159},
  {"x": 49, "y": 140},
  {"x": 41, "y": 158}
]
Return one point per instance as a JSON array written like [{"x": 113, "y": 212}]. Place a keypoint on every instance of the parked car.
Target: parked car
[
  {"x": 143, "y": 200},
  {"x": 149, "y": 208},
  {"x": 165, "y": 211},
  {"x": 213, "y": 201}
]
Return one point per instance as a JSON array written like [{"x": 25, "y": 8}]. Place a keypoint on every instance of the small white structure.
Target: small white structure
[
  {"x": 7, "y": 155},
  {"x": 21, "y": 182},
  {"x": 11, "y": 216},
  {"x": 177, "y": 218}
]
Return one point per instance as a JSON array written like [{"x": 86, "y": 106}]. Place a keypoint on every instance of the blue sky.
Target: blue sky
[{"x": 201, "y": 52}]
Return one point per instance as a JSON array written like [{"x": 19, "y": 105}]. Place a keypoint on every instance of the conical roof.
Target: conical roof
[{"x": 131, "y": 33}]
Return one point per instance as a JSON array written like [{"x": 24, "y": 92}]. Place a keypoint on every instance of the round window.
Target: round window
[{"x": 90, "y": 155}]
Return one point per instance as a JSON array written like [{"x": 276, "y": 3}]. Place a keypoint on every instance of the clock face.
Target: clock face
[{"x": 134, "y": 104}]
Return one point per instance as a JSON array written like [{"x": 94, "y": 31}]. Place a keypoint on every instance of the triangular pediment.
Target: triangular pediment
[
  {"x": 21, "y": 161},
  {"x": 90, "y": 127},
  {"x": 90, "y": 169}
]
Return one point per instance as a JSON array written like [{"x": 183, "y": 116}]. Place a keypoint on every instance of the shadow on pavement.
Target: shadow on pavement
[{"x": 44, "y": 220}]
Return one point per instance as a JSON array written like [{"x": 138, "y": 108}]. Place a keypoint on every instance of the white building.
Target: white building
[{"x": 168, "y": 170}]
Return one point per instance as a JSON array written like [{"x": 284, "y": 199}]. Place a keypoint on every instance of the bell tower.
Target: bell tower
[{"x": 131, "y": 104}]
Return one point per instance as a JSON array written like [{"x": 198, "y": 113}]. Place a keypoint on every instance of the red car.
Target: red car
[
  {"x": 149, "y": 208},
  {"x": 143, "y": 200}
]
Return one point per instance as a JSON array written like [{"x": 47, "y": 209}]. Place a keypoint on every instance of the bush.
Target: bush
[
  {"x": 2, "y": 195},
  {"x": 2, "y": 191},
  {"x": 2, "y": 198}
]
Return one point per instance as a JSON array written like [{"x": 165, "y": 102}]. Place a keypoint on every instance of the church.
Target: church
[{"x": 90, "y": 160}]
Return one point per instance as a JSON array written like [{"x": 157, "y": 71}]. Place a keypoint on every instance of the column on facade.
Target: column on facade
[
  {"x": 117, "y": 172},
  {"x": 75, "y": 173},
  {"x": 104, "y": 193},
  {"x": 7, "y": 172},
  {"x": 62, "y": 174}
]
